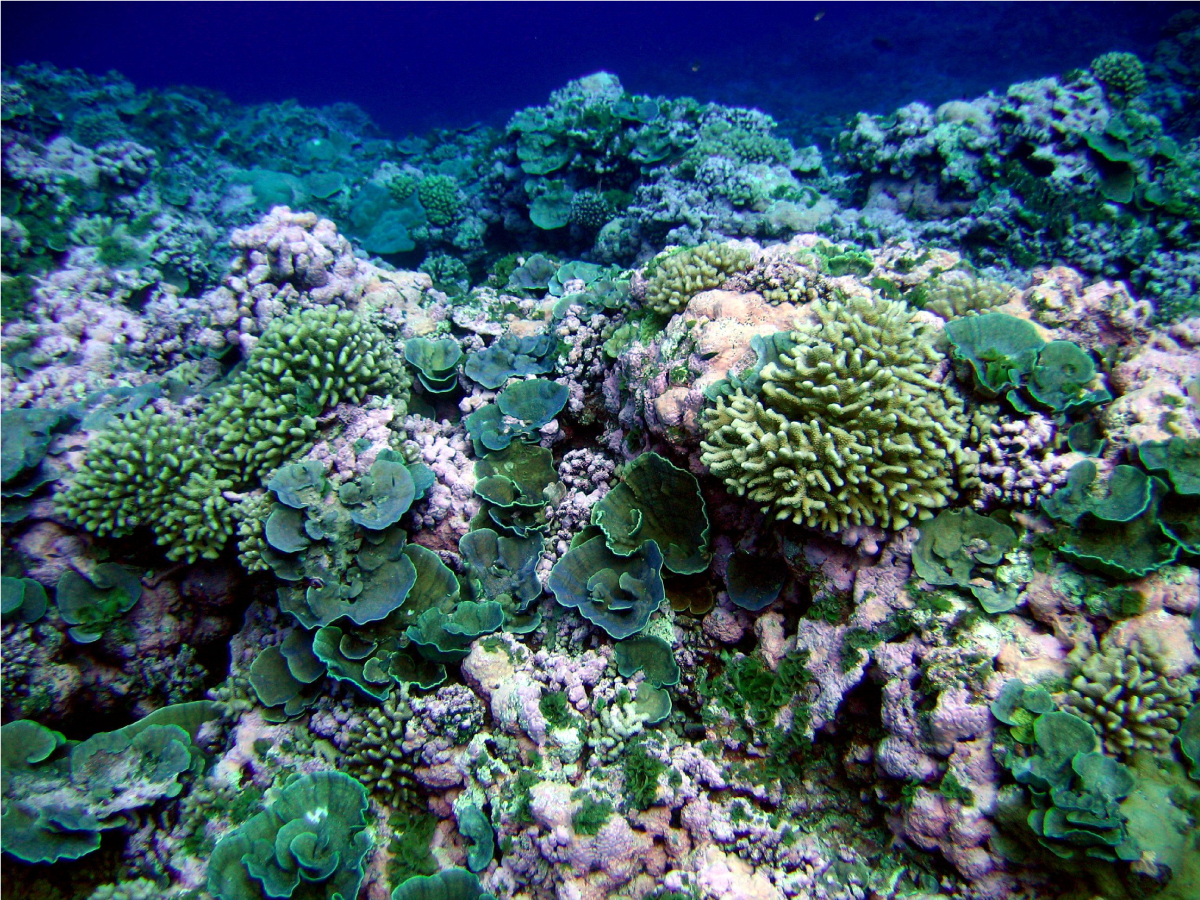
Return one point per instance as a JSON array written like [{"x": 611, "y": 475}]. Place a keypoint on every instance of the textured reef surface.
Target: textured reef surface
[{"x": 625, "y": 503}]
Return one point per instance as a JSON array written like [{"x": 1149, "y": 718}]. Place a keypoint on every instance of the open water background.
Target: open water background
[{"x": 418, "y": 66}]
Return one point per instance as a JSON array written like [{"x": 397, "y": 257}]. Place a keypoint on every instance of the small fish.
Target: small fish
[{"x": 819, "y": 16}]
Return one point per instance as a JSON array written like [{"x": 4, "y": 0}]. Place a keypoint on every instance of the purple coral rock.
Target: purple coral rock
[
  {"x": 824, "y": 642},
  {"x": 955, "y": 718}
]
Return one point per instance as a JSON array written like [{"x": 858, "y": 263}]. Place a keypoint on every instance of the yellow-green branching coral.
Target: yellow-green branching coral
[
  {"x": 677, "y": 277},
  {"x": 1129, "y": 696},
  {"x": 848, "y": 427},
  {"x": 958, "y": 293},
  {"x": 305, "y": 363},
  {"x": 1121, "y": 73},
  {"x": 149, "y": 469},
  {"x": 171, "y": 474}
]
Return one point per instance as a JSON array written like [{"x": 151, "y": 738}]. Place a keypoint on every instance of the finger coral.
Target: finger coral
[
  {"x": 676, "y": 277},
  {"x": 848, "y": 427},
  {"x": 135, "y": 474},
  {"x": 1126, "y": 694},
  {"x": 150, "y": 469}
]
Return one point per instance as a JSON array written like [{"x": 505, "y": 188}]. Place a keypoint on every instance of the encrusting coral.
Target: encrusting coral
[{"x": 848, "y": 427}]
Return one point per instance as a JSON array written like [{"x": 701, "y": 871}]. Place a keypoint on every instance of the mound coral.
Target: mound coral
[{"x": 847, "y": 427}]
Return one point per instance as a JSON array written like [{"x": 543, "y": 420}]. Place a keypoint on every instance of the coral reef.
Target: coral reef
[{"x": 621, "y": 503}]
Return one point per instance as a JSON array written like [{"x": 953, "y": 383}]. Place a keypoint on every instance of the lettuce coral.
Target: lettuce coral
[
  {"x": 618, "y": 593},
  {"x": 21, "y": 600},
  {"x": 848, "y": 427},
  {"x": 448, "y": 884},
  {"x": 660, "y": 502},
  {"x": 58, "y": 795},
  {"x": 311, "y": 843}
]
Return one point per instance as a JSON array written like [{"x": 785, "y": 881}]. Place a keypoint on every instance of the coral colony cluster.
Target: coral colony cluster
[{"x": 623, "y": 504}]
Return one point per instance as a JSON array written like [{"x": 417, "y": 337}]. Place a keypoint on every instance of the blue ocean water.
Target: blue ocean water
[
  {"x": 541, "y": 451},
  {"x": 418, "y": 66}
]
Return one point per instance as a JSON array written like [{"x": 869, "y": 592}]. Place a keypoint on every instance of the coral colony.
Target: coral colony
[{"x": 625, "y": 503}]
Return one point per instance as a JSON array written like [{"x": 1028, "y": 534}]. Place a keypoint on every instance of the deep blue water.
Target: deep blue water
[{"x": 417, "y": 66}]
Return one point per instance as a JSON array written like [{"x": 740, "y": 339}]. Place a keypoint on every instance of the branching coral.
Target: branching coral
[
  {"x": 781, "y": 280},
  {"x": 1120, "y": 73},
  {"x": 439, "y": 195},
  {"x": 1020, "y": 460},
  {"x": 1126, "y": 694},
  {"x": 374, "y": 747},
  {"x": 145, "y": 471},
  {"x": 150, "y": 469},
  {"x": 957, "y": 293},
  {"x": 307, "y": 362},
  {"x": 676, "y": 277},
  {"x": 848, "y": 427}
]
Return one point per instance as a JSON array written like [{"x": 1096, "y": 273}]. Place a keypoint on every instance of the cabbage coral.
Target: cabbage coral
[{"x": 1127, "y": 695}]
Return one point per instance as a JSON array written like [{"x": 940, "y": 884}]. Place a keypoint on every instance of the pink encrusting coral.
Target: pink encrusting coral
[{"x": 1022, "y": 461}]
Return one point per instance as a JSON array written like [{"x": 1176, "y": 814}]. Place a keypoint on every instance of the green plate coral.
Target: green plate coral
[
  {"x": 659, "y": 502},
  {"x": 618, "y": 593},
  {"x": 310, "y": 844}
]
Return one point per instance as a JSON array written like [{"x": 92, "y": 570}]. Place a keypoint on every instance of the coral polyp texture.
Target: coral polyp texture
[
  {"x": 1131, "y": 697},
  {"x": 677, "y": 277},
  {"x": 623, "y": 503},
  {"x": 847, "y": 427}
]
